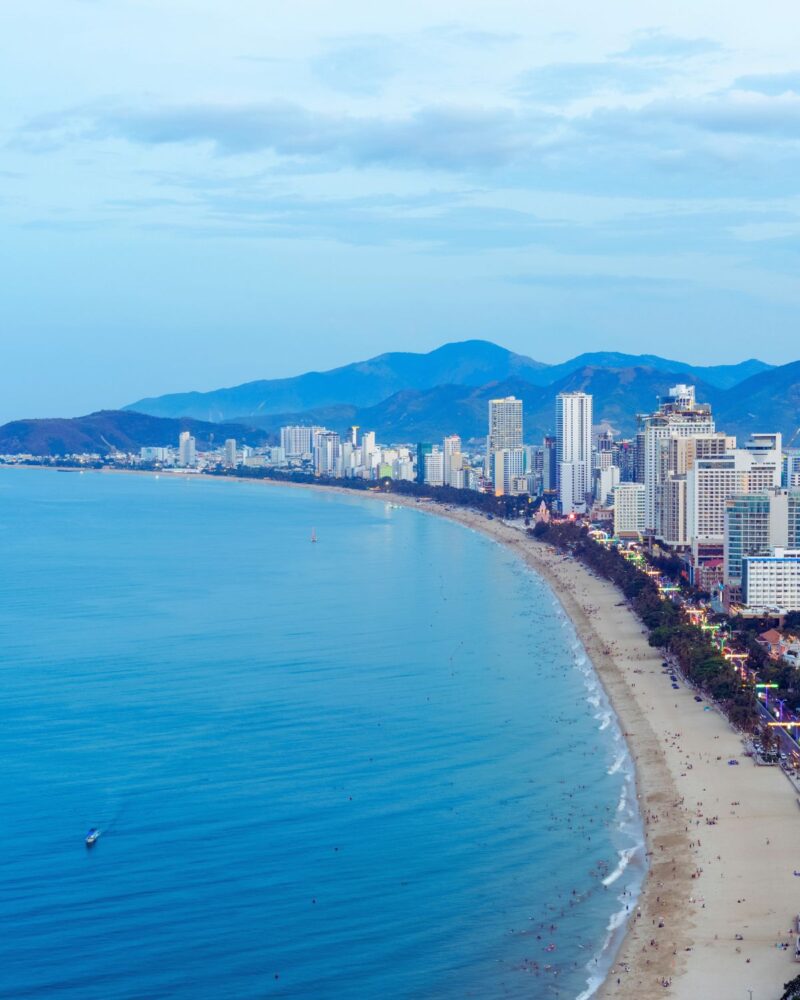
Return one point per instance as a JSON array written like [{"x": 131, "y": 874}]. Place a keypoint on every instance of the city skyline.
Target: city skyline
[{"x": 312, "y": 187}]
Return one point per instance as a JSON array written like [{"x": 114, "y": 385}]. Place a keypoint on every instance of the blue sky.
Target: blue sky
[{"x": 195, "y": 194}]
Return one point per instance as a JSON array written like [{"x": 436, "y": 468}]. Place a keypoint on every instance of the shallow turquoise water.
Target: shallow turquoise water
[{"x": 378, "y": 766}]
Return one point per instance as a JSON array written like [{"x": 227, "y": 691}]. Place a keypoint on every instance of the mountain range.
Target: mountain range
[
  {"x": 114, "y": 430},
  {"x": 421, "y": 397},
  {"x": 472, "y": 363}
]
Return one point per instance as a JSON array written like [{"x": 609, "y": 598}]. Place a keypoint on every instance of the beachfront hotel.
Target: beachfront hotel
[
  {"x": 574, "y": 450},
  {"x": 679, "y": 415}
]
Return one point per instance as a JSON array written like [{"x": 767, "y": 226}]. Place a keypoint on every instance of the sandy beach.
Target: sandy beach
[
  {"x": 720, "y": 896},
  {"x": 722, "y": 840}
]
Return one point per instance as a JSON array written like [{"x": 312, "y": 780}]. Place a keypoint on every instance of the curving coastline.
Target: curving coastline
[
  {"x": 720, "y": 839},
  {"x": 719, "y": 897}
]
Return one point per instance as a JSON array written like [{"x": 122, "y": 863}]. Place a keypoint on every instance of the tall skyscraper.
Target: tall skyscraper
[
  {"x": 574, "y": 450},
  {"x": 505, "y": 427},
  {"x": 230, "y": 453}
]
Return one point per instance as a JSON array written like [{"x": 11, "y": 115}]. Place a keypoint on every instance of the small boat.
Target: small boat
[
  {"x": 313, "y": 534},
  {"x": 91, "y": 836}
]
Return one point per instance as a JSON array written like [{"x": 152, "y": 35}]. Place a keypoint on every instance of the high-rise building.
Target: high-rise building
[
  {"x": 772, "y": 582},
  {"x": 508, "y": 464},
  {"x": 629, "y": 505},
  {"x": 368, "y": 449},
  {"x": 327, "y": 453},
  {"x": 423, "y": 450},
  {"x": 434, "y": 467},
  {"x": 715, "y": 469},
  {"x": 756, "y": 523},
  {"x": 187, "y": 450},
  {"x": 605, "y": 481},
  {"x": 296, "y": 441},
  {"x": 679, "y": 415},
  {"x": 550, "y": 464},
  {"x": 230, "y": 453},
  {"x": 674, "y": 532},
  {"x": 574, "y": 454},
  {"x": 505, "y": 427},
  {"x": 453, "y": 461}
]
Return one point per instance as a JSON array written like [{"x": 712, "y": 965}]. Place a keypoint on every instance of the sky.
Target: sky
[{"x": 196, "y": 194}]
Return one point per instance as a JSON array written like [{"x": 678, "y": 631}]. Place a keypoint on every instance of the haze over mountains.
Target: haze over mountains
[
  {"x": 412, "y": 397},
  {"x": 471, "y": 363}
]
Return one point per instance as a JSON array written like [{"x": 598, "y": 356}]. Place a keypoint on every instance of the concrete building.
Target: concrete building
[
  {"x": 453, "y": 461},
  {"x": 550, "y": 464},
  {"x": 679, "y": 415},
  {"x": 296, "y": 441},
  {"x": 508, "y": 464},
  {"x": 187, "y": 450},
  {"x": 327, "y": 454},
  {"x": 434, "y": 467},
  {"x": 629, "y": 508},
  {"x": 230, "y": 453},
  {"x": 712, "y": 480},
  {"x": 423, "y": 450},
  {"x": 368, "y": 449},
  {"x": 605, "y": 482},
  {"x": 755, "y": 524},
  {"x": 772, "y": 582},
  {"x": 674, "y": 532},
  {"x": 505, "y": 423},
  {"x": 574, "y": 455},
  {"x": 149, "y": 454}
]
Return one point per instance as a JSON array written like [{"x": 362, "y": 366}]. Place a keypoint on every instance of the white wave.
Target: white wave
[
  {"x": 617, "y": 764},
  {"x": 624, "y": 860}
]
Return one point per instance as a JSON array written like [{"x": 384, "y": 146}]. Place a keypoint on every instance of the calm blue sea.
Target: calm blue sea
[{"x": 374, "y": 767}]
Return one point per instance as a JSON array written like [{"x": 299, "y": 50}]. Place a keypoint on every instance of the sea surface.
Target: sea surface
[{"x": 378, "y": 766}]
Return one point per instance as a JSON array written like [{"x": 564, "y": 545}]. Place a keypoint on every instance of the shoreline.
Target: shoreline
[
  {"x": 716, "y": 835},
  {"x": 718, "y": 895}
]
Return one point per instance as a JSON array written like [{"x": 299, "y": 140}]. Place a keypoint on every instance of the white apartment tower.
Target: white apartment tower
[
  {"x": 453, "y": 461},
  {"x": 230, "y": 453},
  {"x": 629, "y": 509},
  {"x": 296, "y": 441},
  {"x": 574, "y": 450},
  {"x": 434, "y": 467},
  {"x": 505, "y": 427},
  {"x": 187, "y": 450},
  {"x": 368, "y": 449}
]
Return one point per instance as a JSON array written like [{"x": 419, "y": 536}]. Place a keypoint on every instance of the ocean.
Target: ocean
[{"x": 376, "y": 766}]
